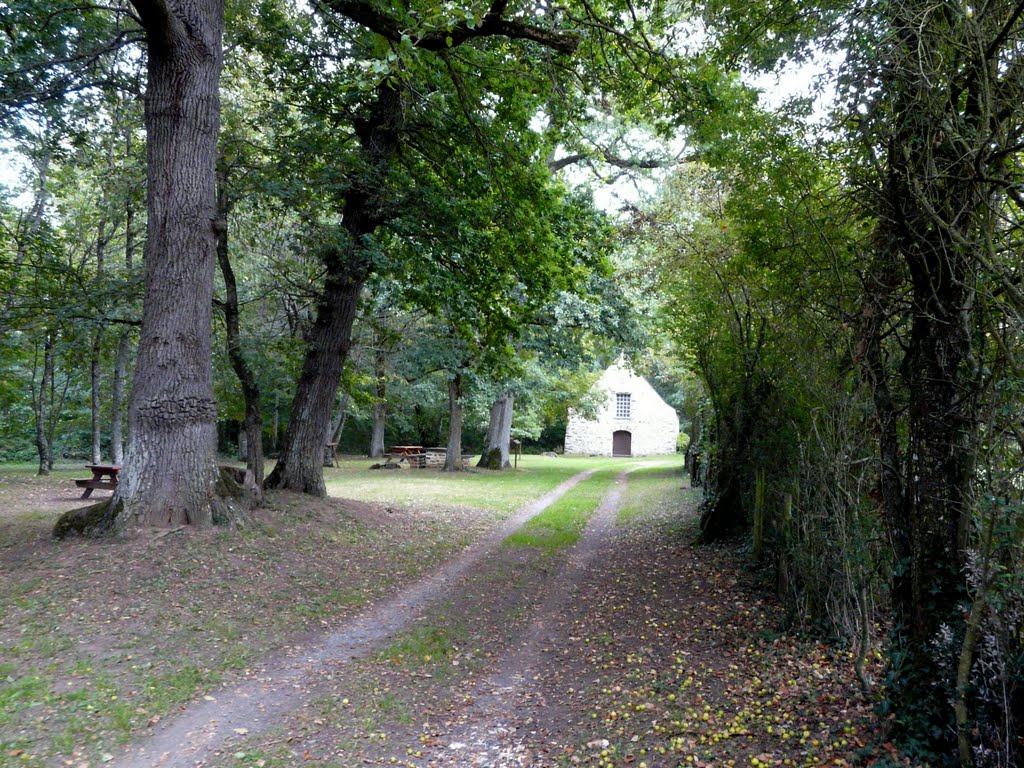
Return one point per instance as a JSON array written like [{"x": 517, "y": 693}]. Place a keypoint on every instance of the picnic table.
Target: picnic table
[
  {"x": 405, "y": 450},
  {"x": 104, "y": 477},
  {"x": 412, "y": 455}
]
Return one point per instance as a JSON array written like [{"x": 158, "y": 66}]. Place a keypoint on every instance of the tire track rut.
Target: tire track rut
[{"x": 489, "y": 732}]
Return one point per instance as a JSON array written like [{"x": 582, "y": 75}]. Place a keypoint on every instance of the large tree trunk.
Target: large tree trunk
[
  {"x": 380, "y": 406},
  {"x": 253, "y": 424},
  {"x": 934, "y": 213},
  {"x": 170, "y": 469},
  {"x": 938, "y": 500},
  {"x": 883, "y": 278},
  {"x": 170, "y": 472},
  {"x": 943, "y": 430},
  {"x": 499, "y": 434},
  {"x": 453, "y": 455},
  {"x": 300, "y": 467},
  {"x": 44, "y": 448},
  {"x": 377, "y": 435}
]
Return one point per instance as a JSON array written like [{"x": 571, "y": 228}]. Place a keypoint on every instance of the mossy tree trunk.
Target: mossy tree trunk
[{"x": 499, "y": 434}]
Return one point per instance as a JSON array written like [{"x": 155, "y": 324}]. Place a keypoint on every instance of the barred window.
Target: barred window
[{"x": 622, "y": 405}]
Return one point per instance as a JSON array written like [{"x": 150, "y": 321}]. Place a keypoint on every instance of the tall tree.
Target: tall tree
[
  {"x": 946, "y": 132},
  {"x": 347, "y": 263},
  {"x": 170, "y": 471},
  {"x": 495, "y": 453},
  {"x": 381, "y": 125},
  {"x": 931, "y": 150},
  {"x": 42, "y": 396},
  {"x": 252, "y": 425},
  {"x": 121, "y": 361},
  {"x": 453, "y": 450}
]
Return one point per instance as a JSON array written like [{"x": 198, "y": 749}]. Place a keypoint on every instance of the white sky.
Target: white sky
[{"x": 11, "y": 167}]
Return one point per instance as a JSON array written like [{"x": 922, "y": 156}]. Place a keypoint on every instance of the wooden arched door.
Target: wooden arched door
[{"x": 622, "y": 443}]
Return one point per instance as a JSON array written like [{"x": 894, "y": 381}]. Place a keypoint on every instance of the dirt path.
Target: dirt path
[
  {"x": 488, "y": 732},
  {"x": 200, "y": 731},
  {"x": 631, "y": 649}
]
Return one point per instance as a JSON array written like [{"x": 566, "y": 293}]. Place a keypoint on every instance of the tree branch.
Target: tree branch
[
  {"x": 609, "y": 157},
  {"x": 492, "y": 25},
  {"x": 162, "y": 25},
  {"x": 1004, "y": 33}
]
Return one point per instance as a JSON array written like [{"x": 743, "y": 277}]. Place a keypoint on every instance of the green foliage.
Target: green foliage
[
  {"x": 66, "y": 278},
  {"x": 757, "y": 279},
  {"x": 52, "y": 48},
  {"x": 874, "y": 227}
]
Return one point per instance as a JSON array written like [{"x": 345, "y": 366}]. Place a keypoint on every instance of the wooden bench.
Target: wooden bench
[
  {"x": 405, "y": 450},
  {"x": 104, "y": 478},
  {"x": 412, "y": 455}
]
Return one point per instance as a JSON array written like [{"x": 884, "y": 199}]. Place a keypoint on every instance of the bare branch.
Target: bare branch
[{"x": 609, "y": 157}]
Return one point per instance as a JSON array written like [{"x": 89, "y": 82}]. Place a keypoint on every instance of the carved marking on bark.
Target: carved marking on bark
[{"x": 177, "y": 412}]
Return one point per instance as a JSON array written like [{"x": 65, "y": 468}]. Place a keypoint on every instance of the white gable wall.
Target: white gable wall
[{"x": 652, "y": 422}]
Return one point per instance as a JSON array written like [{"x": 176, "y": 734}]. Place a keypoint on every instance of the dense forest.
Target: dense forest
[{"x": 254, "y": 228}]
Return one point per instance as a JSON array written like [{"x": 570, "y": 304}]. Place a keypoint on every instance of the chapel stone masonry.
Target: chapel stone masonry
[{"x": 633, "y": 421}]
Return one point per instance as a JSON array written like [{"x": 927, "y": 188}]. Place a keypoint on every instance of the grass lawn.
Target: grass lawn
[
  {"x": 477, "y": 489},
  {"x": 648, "y": 488}
]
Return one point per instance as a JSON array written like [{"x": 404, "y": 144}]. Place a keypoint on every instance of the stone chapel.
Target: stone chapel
[{"x": 634, "y": 420}]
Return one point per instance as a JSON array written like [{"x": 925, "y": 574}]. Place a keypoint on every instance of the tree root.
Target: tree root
[
  {"x": 94, "y": 521},
  {"x": 234, "y": 495}
]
